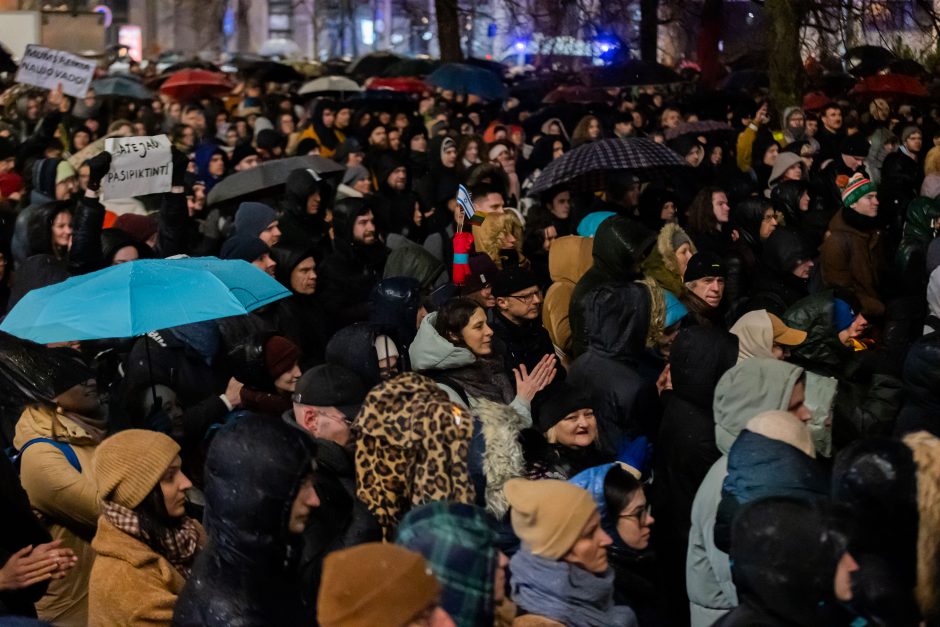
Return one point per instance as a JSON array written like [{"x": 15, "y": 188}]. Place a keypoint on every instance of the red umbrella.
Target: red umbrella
[
  {"x": 193, "y": 83},
  {"x": 890, "y": 85},
  {"x": 577, "y": 94},
  {"x": 402, "y": 84}
]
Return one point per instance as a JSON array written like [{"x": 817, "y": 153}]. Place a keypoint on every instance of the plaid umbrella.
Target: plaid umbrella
[
  {"x": 586, "y": 166},
  {"x": 702, "y": 127}
]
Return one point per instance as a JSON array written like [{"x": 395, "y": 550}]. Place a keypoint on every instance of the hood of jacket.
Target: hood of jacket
[
  {"x": 661, "y": 265},
  {"x": 747, "y": 389},
  {"x": 620, "y": 244},
  {"x": 592, "y": 480},
  {"x": 617, "y": 320},
  {"x": 288, "y": 256},
  {"x": 755, "y": 335},
  {"x": 345, "y": 213},
  {"x": 785, "y": 197},
  {"x": 766, "y": 465},
  {"x": 747, "y": 216},
  {"x": 435, "y": 149},
  {"x": 921, "y": 214},
  {"x": 698, "y": 359},
  {"x": 45, "y": 421},
  {"x": 430, "y": 351},
  {"x": 386, "y": 163},
  {"x": 785, "y": 160},
  {"x": 354, "y": 348},
  {"x": 300, "y": 185},
  {"x": 784, "y": 250},
  {"x": 44, "y": 174},
  {"x": 412, "y": 261},
  {"x": 922, "y": 371},
  {"x": 393, "y": 307},
  {"x": 570, "y": 257}
]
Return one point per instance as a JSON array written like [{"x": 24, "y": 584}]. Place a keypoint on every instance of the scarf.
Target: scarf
[
  {"x": 859, "y": 222},
  {"x": 566, "y": 593},
  {"x": 96, "y": 428},
  {"x": 179, "y": 546},
  {"x": 485, "y": 378}
]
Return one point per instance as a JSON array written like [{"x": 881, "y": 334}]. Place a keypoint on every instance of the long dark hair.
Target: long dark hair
[
  {"x": 156, "y": 524},
  {"x": 453, "y": 317},
  {"x": 702, "y": 213},
  {"x": 619, "y": 488}
]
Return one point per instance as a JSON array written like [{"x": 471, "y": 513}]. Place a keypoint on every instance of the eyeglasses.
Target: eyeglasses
[
  {"x": 527, "y": 298},
  {"x": 641, "y": 516}
]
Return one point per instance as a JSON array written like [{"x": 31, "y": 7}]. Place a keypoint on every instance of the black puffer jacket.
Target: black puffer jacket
[
  {"x": 298, "y": 226},
  {"x": 617, "y": 317},
  {"x": 921, "y": 409},
  {"x": 620, "y": 245},
  {"x": 248, "y": 575},
  {"x": 354, "y": 348},
  {"x": 776, "y": 288},
  {"x": 393, "y": 310},
  {"x": 394, "y": 209}
]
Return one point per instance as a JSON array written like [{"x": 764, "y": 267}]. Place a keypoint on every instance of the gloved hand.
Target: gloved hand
[
  {"x": 98, "y": 167},
  {"x": 635, "y": 455},
  {"x": 180, "y": 165}
]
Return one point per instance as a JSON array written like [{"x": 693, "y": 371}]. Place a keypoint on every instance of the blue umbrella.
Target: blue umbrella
[
  {"x": 468, "y": 79},
  {"x": 134, "y": 298}
]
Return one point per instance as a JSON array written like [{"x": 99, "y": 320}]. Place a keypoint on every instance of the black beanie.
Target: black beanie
[
  {"x": 511, "y": 280},
  {"x": 856, "y": 146},
  {"x": 704, "y": 264},
  {"x": 565, "y": 400},
  {"x": 268, "y": 139},
  {"x": 242, "y": 151},
  {"x": 245, "y": 247}
]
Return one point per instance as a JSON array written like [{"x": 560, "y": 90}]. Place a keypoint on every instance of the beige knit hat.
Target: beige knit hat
[
  {"x": 548, "y": 515},
  {"x": 375, "y": 584},
  {"x": 130, "y": 463}
]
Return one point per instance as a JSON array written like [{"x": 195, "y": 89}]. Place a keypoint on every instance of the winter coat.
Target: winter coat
[
  {"x": 67, "y": 500},
  {"x": 354, "y": 348},
  {"x": 855, "y": 260},
  {"x": 775, "y": 286},
  {"x": 620, "y": 244},
  {"x": 525, "y": 343},
  {"x": 661, "y": 265},
  {"x": 415, "y": 262},
  {"x": 296, "y": 225},
  {"x": 247, "y": 574},
  {"x": 617, "y": 320},
  {"x": 394, "y": 208},
  {"x": 746, "y": 390},
  {"x": 919, "y": 231},
  {"x": 926, "y": 450},
  {"x": 438, "y": 186},
  {"x": 921, "y": 408},
  {"x": 131, "y": 584},
  {"x": 901, "y": 176},
  {"x": 568, "y": 259},
  {"x": 393, "y": 310}
]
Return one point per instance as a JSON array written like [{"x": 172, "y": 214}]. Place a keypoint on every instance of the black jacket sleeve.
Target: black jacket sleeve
[
  {"x": 85, "y": 255},
  {"x": 174, "y": 226}
]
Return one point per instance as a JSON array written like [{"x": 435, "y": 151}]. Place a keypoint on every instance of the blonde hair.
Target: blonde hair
[
  {"x": 494, "y": 228},
  {"x": 932, "y": 162}
]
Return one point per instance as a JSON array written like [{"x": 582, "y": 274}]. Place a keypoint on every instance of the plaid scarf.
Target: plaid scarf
[{"x": 179, "y": 546}]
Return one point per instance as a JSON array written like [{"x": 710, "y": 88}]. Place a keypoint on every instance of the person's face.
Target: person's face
[
  {"x": 313, "y": 203},
  {"x": 797, "y": 120},
  {"x": 811, "y": 127},
  {"x": 803, "y": 269},
  {"x": 854, "y": 330},
  {"x": 637, "y": 119},
  {"x": 62, "y": 230},
  {"x": 221, "y": 120},
  {"x": 634, "y": 522},
  {"x": 418, "y": 143},
  {"x": 174, "y": 110},
  {"x": 484, "y": 297},
  {"x": 363, "y": 186},
  {"x": 449, "y": 157},
  {"x": 561, "y": 205},
  {"x": 668, "y": 212},
  {"x": 683, "y": 254},
  {"x": 82, "y": 399},
  {"x": 93, "y": 125},
  {"x": 271, "y": 234},
  {"x": 768, "y": 223},
  {"x": 303, "y": 278},
  {"x": 287, "y": 124},
  {"x": 477, "y": 334},
  {"x": 217, "y": 165},
  {"x": 472, "y": 152},
  {"x": 804, "y": 201},
  {"x": 328, "y": 423},
  {"x": 188, "y": 137},
  {"x": 709, "y": 288},
  {"x": 140, "y": 130},
  {"x": 491, "y": 203},
  {"x": 594, "y": 129},
  {"x": 522, "y": 305},
  {"x": 287, "y": 382},
  {"x": 328, "y": 117},
  {"x": 914, "y": 143},
  {"x": 265, "y": 263},
  {"x": 794, "y": 172},
  {"x": 364, "y": 229},
  {"x": 249, "y": 162},
  {"x": 695, "y": 156},
  {"x": 842, "y": 582},
  {"x": 80, "y": 140},
  {"x": 379, "y": 137},
  {"x": 770, "y": 157},
  {"x": 174, "y": 484},
  {"x": 670, "y": 118},
  {"x": 590, "y": 550},
  {"x": 398, "y": 179},
  {"x": 797, "y": 405},
  {"x": 64, "y": 189},
  {"x": 632, "y": 197},
  {"x": 832, "y": 119},
  {"x": 507, "y": 161},
  {"x": 717, "y": 154},
  {"x": 84, "y": 173},
  {"x": 852, "y": 162},
  {"x": 354, "y": 159},
  {"x": 394, "y": 139},
  {"x": 300, "y": 509},
  {"x": 401, "y": 121},
  {"x": 508, "y": 241},
  {"x": 577, "y": 430},
  {"x": 720, "y": 207},
  {"x": 867, "y": 205},
  {"x": 125, "y": 254},
  {"x": 342, "y": 117},
  {"x": 195, "y": 119},
  {"x": 7, "y": 164},
  {"x": 558, "y": 149}
]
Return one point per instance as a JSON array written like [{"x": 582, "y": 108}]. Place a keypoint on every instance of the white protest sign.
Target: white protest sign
[
  {"x": 45, "y": 67},
  {"x": 139, "y": 165}
]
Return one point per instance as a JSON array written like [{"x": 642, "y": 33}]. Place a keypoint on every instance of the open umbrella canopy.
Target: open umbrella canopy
[
  {"x": 586, "y": 167},
  {"x": 866, "y": 60},
  {"x": 404, "y": 85},
  {"x": 888, "y": 85},
  {"x": 411, "y": 67},
  {"x": 632, "y": 73},
  {"x": 468, "y": 79},
  {"x": 372, "y": 64},
  {"x": 702, "y": 127},
  {"x": 746, "y": 80},
  {"x": 577, "y": 94},
  {"x": 121, "y": 87},
  {"x": 141, "y": 296},
  {"x": 31, "y": 372},
  {"x": 265, "y": 69},
  {"x": 328, "y": 84},
  {"x": 267, "y": 177},
  {"x": 189, "y": 84}
]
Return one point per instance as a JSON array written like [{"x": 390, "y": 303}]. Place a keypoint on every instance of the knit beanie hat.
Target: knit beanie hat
[
  {"x": 246, "y": 247},
  {"x": 548, "y": 515},
  {"x": 858, "y": 186},
  {"x": 141, "y": 228},
  {"x": 482, "y": 273},
  {"x": 511, "y": 280},
  {"x": 253, "y": 217},
  {"x": 130, "y": 463},
  {"x": 842, "y": 314},
  {"x": 280, "y": 355},
  {"x": 856, "y": 146},
  {"x": 908, "y": 131},
  {"x": 680, "y": 237},
  {"x": 242, "y": 151},
  {"x": 374, "y": 584},
  {"x": 703, "y": 264},
  {"x": 64, "y": 171},
  {"x": 355, "y": 174},
  {"x": 565, "y": 400}
]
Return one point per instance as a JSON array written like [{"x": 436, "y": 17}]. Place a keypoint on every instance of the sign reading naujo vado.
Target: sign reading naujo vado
[
  {"x": 139, "y": 165},
  {"x": 48, "y": 68}
]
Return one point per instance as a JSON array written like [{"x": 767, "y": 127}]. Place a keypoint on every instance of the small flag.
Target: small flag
[{"x": 464, "y": 200}]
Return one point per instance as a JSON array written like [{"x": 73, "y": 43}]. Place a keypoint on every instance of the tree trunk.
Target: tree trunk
[
  {"x": 709, "y": 36},
  {"x": 649, "y": 29},
  {"x": 448, "y": 30},
  {"x": 783, "y": 39}
]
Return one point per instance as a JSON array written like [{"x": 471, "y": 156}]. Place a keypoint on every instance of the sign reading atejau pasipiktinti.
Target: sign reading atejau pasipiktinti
[
  {"x": 47, "y": 68},
  {"x": 139, "y": 166}
]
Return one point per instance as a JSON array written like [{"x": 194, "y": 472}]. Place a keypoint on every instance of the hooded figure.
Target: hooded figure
[
  {"x": 568, "y": 259},
  {"x": 921, "y": 409},
  {"x": 44, "y": 183},
  {"x": 920, "y": 228},
  {"x": 620, "y": 244},
  {"x": 663, "y": 263},
  {"x": 439, "y": 185},
  {"x": 395, "y": 208},
  {"x": 307, "y": 199},
  {"x": 114, "y": 240},
  {"x": 775, "y": 286},
  {"x": 756, "y": 386},
  {"x": 393, "y": 309},
  {"x": 248, "y": 572},
  {"x": 741, "y": 261},
  {"x": 202, "y": 158},
  {"x": 617, "y": 320},
  {"x": 327, "y": 137},
  {"x": 415, "y": 262},
  {"x": 354, "y": 347}
]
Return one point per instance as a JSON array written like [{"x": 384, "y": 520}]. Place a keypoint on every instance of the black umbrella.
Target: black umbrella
[
  {"x": 702, "y": 127},
  {"x": 31, "y": 372},
  {"x": 867, "y": 60},
  {"x": 191, "y": 64},
  {"x": 586, "y": 167},
  {"x": 632, "y": 73},
  {"x": 382, "y": 100},
  {"x": 266, "y": 70},
  {"x": 372, "y": 64},
  {"x": 907, "y": 67},
  {"x": 411, "y": 67},
  {"x": 746, "y": 80},
  {"x": 267, "y": 178}
]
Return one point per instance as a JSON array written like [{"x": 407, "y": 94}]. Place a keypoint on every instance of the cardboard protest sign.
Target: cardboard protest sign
[
  {"x": 45, "y": 67},
  {"x": 139, "y": 165}
]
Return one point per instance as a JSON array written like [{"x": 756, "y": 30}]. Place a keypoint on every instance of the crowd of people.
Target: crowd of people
[{"x": 692, "y": 397}]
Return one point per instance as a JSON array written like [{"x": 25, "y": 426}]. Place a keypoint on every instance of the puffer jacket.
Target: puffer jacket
[
  {"x": 617, "y": 320},
  {"x": 921, "y": 409},
  {"x": 67, "y": 500},
  {"x": 568, "y": 259},
  {"x": 248, "y": 574},
  {"x": 775, "y": 286},
  {"x": 620, "y": 244},
  {"x": 661, "y": 264},
  {"x": 919, "y": 231},
  {"x": 746, "y": 390},
  {"x": 855, "y": 260}
]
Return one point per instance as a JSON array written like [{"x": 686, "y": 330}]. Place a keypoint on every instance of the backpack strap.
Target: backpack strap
[{"x": 64, "y": 447}]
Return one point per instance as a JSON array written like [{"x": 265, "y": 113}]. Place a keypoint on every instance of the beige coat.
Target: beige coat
[{"x": 568, "y": 259}]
